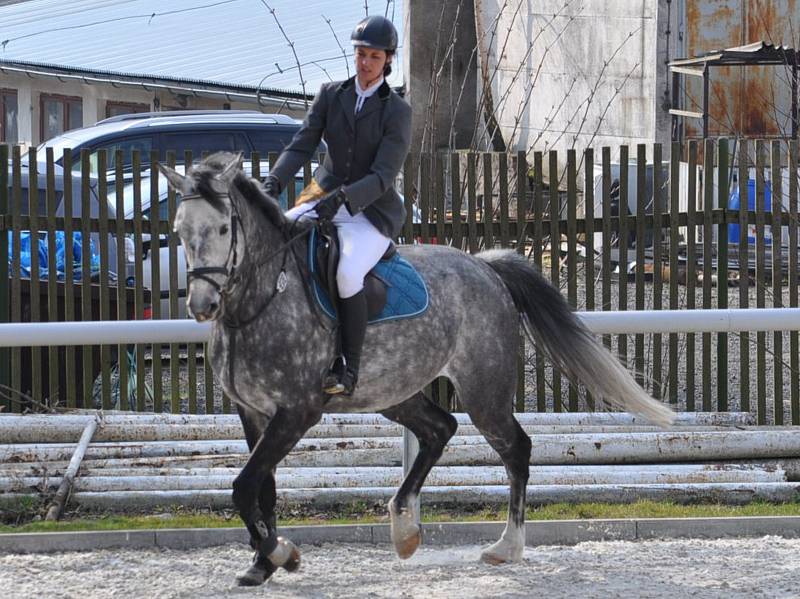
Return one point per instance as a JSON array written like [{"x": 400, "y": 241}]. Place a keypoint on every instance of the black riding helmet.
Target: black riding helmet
[{"x": 375, "y": 32}]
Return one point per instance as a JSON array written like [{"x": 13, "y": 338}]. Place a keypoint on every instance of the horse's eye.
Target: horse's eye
[{"x": 223, "y": 230}]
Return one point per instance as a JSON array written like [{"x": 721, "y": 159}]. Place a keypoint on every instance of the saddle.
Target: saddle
[{"x": 326, "y": 257}]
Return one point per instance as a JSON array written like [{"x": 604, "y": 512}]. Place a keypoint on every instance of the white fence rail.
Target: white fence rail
[{"x": 36, "y": 334}]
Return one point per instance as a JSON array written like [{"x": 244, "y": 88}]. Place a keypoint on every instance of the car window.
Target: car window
[
  {"x": 142, "y": 144},
  {"x": 41, "y": 204},
  {"x": 265, "y": 142},
  {"x": 199, "y": 142}
]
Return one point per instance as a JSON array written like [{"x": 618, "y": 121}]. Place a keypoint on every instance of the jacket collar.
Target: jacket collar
[
  {"x": 347, "y": 96},
  {"x": 384, "y": 91}
]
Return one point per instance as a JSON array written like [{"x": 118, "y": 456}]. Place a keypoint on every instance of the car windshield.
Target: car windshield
[{"x": 59, "y": 144}]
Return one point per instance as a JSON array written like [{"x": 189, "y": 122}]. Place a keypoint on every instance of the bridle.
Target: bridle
[
  {"x": 203, "y": 272},
  {"x": 229, "y": 268}
]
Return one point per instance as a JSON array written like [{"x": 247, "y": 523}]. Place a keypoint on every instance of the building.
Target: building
[
  {"x": 562, "y": 74},
  {"x": 66, "y": 65}
]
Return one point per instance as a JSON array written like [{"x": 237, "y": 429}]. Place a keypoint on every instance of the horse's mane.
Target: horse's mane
[{"x": 249, "y": 188}]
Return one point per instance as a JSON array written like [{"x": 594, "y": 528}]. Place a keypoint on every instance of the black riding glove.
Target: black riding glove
[
  {"x": 272, "y": 186},
  {"x": 328, "y": 206}
]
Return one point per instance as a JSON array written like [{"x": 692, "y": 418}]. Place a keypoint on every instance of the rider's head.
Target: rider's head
[{"x": 375, "y": 42}]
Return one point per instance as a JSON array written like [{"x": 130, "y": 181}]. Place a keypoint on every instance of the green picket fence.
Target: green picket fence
[{"x": 676, "y": 248}]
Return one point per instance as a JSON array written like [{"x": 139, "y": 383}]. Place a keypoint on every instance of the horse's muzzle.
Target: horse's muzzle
[{"x": 203, "y": 308}]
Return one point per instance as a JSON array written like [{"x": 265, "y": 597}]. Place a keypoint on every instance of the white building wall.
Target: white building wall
[{"x": 572, "y": 74}]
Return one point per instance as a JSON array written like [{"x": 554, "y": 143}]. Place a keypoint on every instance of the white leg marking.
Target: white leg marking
[{"x": 508, "y": 548}]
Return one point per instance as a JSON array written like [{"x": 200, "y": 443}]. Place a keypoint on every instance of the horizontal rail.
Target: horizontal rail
[
  {"x": 39, "y": 334},
  {"x": 731, "y": 493}
]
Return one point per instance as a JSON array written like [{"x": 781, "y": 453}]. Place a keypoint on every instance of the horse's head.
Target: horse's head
[{"x": 209, "y": 226}]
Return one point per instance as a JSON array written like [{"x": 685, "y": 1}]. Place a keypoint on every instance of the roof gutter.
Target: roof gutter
[{"x": 253, "y": 97}]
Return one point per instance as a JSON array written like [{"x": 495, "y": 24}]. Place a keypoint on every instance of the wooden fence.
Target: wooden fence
[{"x": 675, "y": 249}]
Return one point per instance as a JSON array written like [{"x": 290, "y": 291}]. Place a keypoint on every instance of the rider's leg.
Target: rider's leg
[{"x": 360, "y": 248}]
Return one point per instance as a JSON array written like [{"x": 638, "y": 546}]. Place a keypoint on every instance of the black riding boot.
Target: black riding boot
[{"x": 343, "y": 375}]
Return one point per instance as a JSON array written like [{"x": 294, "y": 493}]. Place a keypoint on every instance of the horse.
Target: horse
[{"x": 270, "y": 346}]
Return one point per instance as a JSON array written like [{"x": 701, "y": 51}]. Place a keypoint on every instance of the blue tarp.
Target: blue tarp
[{"x": 61, "y": 259}]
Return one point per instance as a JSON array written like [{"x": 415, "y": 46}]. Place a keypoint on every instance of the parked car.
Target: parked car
[
  {"x": 77, "y": 210},
  {"x": 196, "y": 130}
]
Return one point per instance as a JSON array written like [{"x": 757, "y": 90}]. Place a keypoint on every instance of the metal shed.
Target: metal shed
[{"x": 756, "y": 54}]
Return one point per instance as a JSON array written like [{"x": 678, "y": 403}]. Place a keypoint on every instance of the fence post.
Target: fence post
[{"x": 5, "y": 367}]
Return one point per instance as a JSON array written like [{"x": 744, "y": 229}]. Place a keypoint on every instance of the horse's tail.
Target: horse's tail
[{"x": 551, "y": 323}]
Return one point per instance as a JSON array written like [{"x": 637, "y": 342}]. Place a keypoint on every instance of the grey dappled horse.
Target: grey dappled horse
[{"x": 270, "y": 346}]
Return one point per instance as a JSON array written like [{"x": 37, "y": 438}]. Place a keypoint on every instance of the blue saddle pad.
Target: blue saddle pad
[{"x": 406, "y": 293}]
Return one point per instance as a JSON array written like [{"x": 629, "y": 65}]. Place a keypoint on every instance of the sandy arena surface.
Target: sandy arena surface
[{"x": 764, "y": 567}]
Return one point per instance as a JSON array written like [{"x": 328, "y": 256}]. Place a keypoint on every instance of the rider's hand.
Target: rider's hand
[
  {"x": 272, "y": 186},
  {"x": 328, "y": 206}
]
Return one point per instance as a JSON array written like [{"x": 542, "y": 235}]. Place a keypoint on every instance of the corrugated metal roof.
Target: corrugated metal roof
[{"x": 228, "y": 42}]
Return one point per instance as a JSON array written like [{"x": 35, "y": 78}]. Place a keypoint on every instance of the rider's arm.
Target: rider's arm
[
  {"x": 389, "y": 159},
  {"x": 305, "y": 142}
]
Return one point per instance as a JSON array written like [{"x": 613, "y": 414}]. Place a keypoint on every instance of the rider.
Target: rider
[{"x": 367, "y": 128}]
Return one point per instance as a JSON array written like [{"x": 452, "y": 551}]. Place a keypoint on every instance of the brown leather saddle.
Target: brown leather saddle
[{"x": 326, "y": 254}]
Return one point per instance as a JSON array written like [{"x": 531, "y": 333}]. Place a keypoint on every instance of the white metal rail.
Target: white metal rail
[{"x": 34, "y": 334}]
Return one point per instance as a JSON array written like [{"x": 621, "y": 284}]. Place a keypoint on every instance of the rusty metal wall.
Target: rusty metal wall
[{"x": 749, "y": 101}]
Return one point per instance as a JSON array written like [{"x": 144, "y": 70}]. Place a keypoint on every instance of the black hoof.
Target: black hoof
[{"x": 257, "y": 574}]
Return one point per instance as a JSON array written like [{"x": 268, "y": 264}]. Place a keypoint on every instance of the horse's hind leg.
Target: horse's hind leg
[
  {"x": 433, "y": 428},
  {"x": 490, "y": 408}
]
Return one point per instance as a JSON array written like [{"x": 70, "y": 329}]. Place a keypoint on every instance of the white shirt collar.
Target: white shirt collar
[{"x": 363, "y": 94}]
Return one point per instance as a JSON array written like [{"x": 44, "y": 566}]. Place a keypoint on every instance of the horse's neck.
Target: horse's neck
[{"x": 265, "y": 261}]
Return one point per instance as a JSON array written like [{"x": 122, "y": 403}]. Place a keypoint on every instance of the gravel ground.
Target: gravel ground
[{"x": 751, "y": 568}]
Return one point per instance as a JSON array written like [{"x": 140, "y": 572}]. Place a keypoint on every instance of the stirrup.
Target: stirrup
[{"x": 337, "y": 382}]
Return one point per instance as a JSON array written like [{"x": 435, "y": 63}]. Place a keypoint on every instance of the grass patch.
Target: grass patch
[{"x": 360, "y": 514}]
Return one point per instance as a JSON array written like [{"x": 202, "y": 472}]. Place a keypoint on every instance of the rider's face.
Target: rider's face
[{"x": 369, "y": 65}]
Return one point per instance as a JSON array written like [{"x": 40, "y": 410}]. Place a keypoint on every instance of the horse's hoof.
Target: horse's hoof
[
  {"x": 293, "y": 563},
  {"x": 285, "y": 555},
  {"x": 405, "y": 532},
  {"x": 405, "y": 548},
  {"x": 257, "y": 574},
  {"x": 491, "y": 559},
  {"x": 501, "y": 552}
]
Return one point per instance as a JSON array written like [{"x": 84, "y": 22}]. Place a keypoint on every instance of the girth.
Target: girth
[{"x": 326, "y": 254}]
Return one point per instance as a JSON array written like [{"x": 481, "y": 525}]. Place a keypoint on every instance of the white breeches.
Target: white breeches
[{"x": 361, "y": 246}]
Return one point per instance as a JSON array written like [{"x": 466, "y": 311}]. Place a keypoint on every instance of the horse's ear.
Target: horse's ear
[
  {"x": 229, "y": 171},
  {"x": 176, "y": 180}
]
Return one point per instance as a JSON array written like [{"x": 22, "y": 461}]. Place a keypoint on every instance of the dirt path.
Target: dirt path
[{"x": 765, "y": 567}]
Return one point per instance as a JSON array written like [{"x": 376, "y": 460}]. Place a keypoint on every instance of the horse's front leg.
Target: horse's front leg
[{"x": 254, "y": 495}]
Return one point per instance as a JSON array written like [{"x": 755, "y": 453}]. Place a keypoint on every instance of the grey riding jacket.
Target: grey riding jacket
[{"x": 365, "y": 150}]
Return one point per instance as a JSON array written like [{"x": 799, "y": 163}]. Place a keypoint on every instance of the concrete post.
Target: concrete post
[{"x": 440, "y": 74}]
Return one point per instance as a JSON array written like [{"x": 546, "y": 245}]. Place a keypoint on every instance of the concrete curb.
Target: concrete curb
[{"x": 549, "y": 532}]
